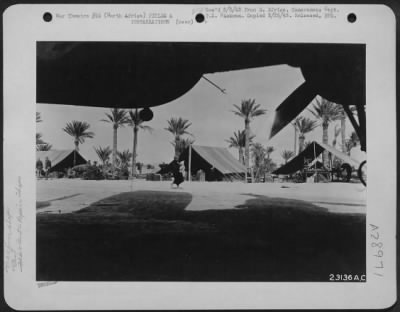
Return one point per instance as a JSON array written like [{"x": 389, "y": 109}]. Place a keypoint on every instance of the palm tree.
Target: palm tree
[
  {"x": 139, "y": 166},
  {"x": 38, "y": 117},
  {"x": 44, "y": 147},
  {"x": 327, "y": 112},
  {"x": 295, "y": 137},
  {"x": 182, "y": 144},
  {"x": 269, "y": 151},
  {"x": 79, "y": 131},
  {"x": 259, "y": 153},
  {"x": 39, "y": 140},
  {"x": 354, "y": 138},
  {"x": 269, "y": 165},
  {"x": 104, "y": 156},
  {"x": 351, "y": 142},
  {"x": 149, "y": 166},
  {"x": 103, "y": 153},
  {"x": 336, "y": 133},
  {"x": 343, "y": 125},
  {"x": 136, "y": 123},
  {"x": 286, "y": 155},
  {"x": 248, "y": 110},
  {"x": 124, "y": 158},
  {"x": 178, "y": 127},
  {"x": 304, "y": 125},
  {"x": 118, "y": 118},
  {"x": 238, "y": 140}
]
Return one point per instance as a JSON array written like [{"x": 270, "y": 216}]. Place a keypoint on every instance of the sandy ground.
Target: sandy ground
[{"x": 68, "y": 195}]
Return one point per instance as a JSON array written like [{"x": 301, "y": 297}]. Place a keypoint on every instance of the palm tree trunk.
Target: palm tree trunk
[
  {"x": 135, "y": 135},
  {"x": 114, "y": 153},
  {"x": 343, "y": 132},
  {"x": 177, "y": 144},
  {"x": 325, "y": 159},
  {"x": 76, "y": 149},
  {"x": 104, "y": 169},
  {"x": 241, "y": 158},
  {"x": 247, "y": 142},
  {"x": 301, "y": 142}
]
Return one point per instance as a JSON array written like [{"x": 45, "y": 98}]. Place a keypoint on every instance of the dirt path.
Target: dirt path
[{"x": 66, "y": 195}]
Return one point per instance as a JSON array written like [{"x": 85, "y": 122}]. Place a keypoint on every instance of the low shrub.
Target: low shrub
[{"x": 92, "y": 173}]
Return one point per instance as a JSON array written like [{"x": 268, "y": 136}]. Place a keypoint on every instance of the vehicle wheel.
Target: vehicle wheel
[{"x": 362, "y": 172}]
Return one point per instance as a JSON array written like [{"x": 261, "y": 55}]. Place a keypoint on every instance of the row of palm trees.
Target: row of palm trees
[
  {"x": 323, "y": 110},
  {"x": 122, "y": 160},
  {"x": 118, "y": 118},
  {"x": 242, "y": 139}
]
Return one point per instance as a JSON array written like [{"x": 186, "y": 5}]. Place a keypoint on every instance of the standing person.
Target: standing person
[
  {"x": 175, "y": 168},
  {"x": 39, "y": 168},
  {"x": 47, "y": 166}
]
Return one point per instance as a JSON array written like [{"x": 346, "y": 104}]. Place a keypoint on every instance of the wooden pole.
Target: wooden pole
[
  {"x": 190, "y": 164},
  {"x": 315, "y": 165}
]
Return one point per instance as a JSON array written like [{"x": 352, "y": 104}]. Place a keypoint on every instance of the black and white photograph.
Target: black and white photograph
[
  {"x": 199, "y": 157},
  {"x": 160, "y": 161}
]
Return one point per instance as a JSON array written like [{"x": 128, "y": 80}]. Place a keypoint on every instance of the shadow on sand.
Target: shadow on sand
[
  {"x": 149, "y": 236},
  {"x": 47, "y": 203}
]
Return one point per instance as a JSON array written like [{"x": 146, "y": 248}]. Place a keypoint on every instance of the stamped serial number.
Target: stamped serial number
[
  {"x": 377, "y": 247},
  {"x": 347, "y": 277}
]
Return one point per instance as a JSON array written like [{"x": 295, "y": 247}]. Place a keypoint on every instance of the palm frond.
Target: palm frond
[
  {"x": 38, "y": 117},
  {"x": 103, "y": 153},
  {"x": 248, "y": 109},
  {"x": 118, "y": 117},
  {"x": 135, "y": 121},
  {"x": 326, "y": 111},
  {"x": 305, "y": 125},
  {"x": 270, "y": 149},
  {"x": 44, "y": 147},
  {"x": 78, "y": 130},
  {"x": 39, "y": 139},
  {"x": 178, "y": 126},
  {"x": 124, "y": 157},
  {"x": 239, "y": 139},
  {"x": 286, "y": 154}
]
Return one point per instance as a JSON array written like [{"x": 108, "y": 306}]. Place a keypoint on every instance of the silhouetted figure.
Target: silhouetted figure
[
  {"x": 176, "y": 168},
  {"x": 39, "y": 168},
  {"x": 47, "y": 166}
]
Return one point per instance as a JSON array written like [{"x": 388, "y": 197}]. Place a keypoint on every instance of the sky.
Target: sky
[{"x": 207, "y": 108}]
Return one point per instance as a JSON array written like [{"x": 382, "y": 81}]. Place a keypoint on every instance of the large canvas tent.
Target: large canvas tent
[
  {"x": 60, "y": 159},
  {"x": 310, "y": 153},
  {"x": 216, "y": 162}
]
